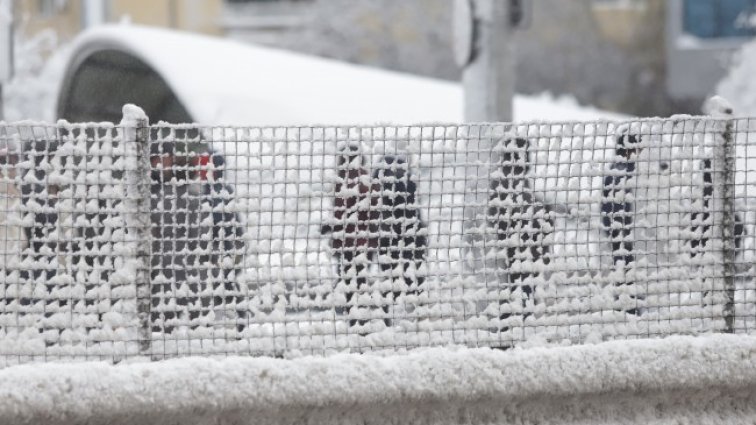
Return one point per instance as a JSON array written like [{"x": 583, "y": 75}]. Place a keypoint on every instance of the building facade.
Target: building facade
[
  {"x": 701, "y": 38},
  {"x": 644, "y": 57},
  {"x": 69, "y": 17}
]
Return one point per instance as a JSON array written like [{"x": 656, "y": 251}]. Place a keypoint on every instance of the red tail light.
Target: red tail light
[{"x": 203, "y": 163}]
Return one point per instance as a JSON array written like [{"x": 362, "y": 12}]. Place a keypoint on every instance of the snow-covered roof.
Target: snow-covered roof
[{"x": 224, "y": 82}]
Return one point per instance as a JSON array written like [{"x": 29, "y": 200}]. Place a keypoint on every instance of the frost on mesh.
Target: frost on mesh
[
  {"x": 287, "y": 241},
  {"x": 68, "y": 269},
  {"x": 196, "y": 238}
]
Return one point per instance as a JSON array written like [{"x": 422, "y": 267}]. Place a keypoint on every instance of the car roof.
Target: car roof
[{"x": 222, "y": 82}]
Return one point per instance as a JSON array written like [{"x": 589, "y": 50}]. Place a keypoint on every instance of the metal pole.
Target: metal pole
[
  {"x": 722, "y": 114},
  {"x": 172, "y": 14},
  {"x": 94, "y": 12},
  {"x": 135, "y": 128},
  {"x": 728, "y": 225},
  {"x": 144, "y": 283},
  {"x": 724, "y": 156},
  {"x": 489, "y": 64}
]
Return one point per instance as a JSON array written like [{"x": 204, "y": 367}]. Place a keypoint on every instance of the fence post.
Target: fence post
[
  {"x": 724, "y": 156},
  {"x": 136, "y": 130},
  {"x": 728, "y": 224}
]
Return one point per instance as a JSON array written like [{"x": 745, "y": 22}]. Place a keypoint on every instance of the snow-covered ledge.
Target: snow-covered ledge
[{"x": 676, "y": 380}]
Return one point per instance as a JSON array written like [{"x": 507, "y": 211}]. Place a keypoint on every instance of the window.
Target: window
[
  {"x": 719, "y": 19},
  {"x": 620, "y": 4},
  {"x": 50, "y": 8}
]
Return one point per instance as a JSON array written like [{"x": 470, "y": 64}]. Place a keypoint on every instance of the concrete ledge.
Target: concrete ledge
[{"x": 681, "y": 379}]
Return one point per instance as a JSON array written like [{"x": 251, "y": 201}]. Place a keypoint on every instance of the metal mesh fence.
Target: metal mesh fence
[{"x": 135, "y": 241}]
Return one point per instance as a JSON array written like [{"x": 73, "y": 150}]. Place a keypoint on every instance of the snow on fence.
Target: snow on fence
[{"x": 133, "y": 241}]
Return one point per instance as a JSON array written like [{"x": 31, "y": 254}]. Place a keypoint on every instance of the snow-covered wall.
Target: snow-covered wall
[{"x": 704, "y": 380}]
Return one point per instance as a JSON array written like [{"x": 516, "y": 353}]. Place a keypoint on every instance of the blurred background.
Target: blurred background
[{"x": 636, "y": 57}]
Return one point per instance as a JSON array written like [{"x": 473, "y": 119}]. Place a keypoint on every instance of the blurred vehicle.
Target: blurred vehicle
[{"x": 180, "y": 77}]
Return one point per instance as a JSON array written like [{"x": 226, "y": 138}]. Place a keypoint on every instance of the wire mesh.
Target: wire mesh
[{"x": 159, "y": 241}]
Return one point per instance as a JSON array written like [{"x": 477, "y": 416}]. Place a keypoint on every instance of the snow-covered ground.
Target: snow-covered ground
[{"x": 702, "y": 380}]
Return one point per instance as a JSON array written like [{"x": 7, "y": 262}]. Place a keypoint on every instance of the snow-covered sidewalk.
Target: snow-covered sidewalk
[{"x": 708, "y": 379}]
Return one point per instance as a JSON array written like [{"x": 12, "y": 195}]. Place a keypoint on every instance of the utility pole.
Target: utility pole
[
  {"x": 173, "y": 14},
  {"x": 484, "y": 48},
  {"x": 6, "y": 48},
  {"x": 95, "y": 12}
]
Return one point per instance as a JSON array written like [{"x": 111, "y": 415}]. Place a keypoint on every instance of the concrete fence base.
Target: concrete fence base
[{"x": 705, "y": 380}]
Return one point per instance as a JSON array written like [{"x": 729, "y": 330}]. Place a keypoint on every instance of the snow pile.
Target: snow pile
[
  {"x": 707, "y": 380},
  {"x": 39, "y": 67},
  {"x": 738, "y": 86}
]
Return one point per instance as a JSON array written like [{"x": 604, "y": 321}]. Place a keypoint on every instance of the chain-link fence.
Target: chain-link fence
[{"x": 136, "y": 240}]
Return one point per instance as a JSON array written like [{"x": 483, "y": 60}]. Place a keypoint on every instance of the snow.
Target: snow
[
  {"x": 687, "y": 41},
  {"x": 738, "y": 85},
  {"x": 38, "y": 311},
  {"x": 706, "y": 380},
  {"x": 223, "y": 82},
  {"x": 11, "y": 236},
  {"x": 284, "y": 187},
  {"x": 718, "y": 107},
  {"x": 132, "y": 116},
  {"x": 284, "y": 180},
  {"x": 5, "y": 16},
  {"x": 39, "y": 67}
]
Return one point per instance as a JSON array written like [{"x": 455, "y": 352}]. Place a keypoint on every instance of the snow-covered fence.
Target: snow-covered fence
[{"x": 153, "y": 241}]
